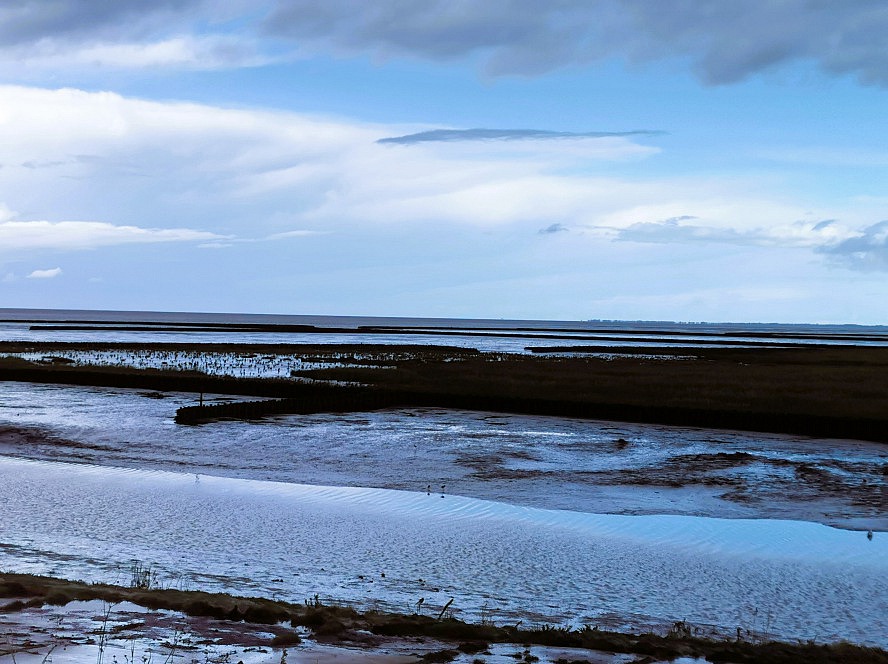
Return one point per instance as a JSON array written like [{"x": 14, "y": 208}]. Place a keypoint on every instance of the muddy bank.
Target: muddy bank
[
  {"x": 202, "y": 623},
  {"x": 600, "y": 467},
  {"x": 854, "y": 490}
]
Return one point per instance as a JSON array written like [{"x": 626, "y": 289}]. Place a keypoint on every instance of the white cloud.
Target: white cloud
[
  {"x": 45, "y": 274},
  {"x": 175, "y": 172},
  {"x": 101, "y": 152},
  {"x": 215, "y": 245},
  {"x": 79, "y": 235},
  {"x": 289, "y": 234}
]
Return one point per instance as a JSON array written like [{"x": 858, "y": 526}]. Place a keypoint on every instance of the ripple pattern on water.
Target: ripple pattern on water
[
  {"x": 537, "y": 461},
  {"x": 246, "y": 535}
]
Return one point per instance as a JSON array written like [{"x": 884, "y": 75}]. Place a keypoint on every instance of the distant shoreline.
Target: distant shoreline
[
  {"x": 654, "y": 337},
  {"x": 19, "y": 315},
  {"x": 55, "y": 313}
]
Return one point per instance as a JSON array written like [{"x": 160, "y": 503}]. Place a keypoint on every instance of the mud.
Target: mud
[{"x": 854, "y": 489}]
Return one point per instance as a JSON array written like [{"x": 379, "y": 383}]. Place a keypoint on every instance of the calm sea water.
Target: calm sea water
[{"x": 498, "y": 335}]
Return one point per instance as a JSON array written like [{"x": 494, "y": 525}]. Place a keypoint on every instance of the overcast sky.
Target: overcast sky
[{"x": 691, "y": 160}]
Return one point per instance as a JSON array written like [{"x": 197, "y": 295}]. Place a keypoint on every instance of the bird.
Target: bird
[{"x": 869, "y": 534}]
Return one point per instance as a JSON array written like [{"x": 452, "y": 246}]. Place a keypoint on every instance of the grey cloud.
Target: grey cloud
[
  {"x": 674, "y": 230},
  {"x": 452, "y": 135},
  {"x": 130, "y": 34},
  {"x": 33, "y": 165},
  {"x": 725, "y": 41},
  {"x": 867, "y": 251},
  {"x": 30, "y": 21},
  {"x": 670, "y": 230},
  {"x": 552, "y": 229},
  {"x": 74, "y": 159}
]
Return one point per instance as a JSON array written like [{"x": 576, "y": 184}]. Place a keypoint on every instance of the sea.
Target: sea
[
  {"x": 506, "y": 518},
  {"x": 483, "y": 334}
]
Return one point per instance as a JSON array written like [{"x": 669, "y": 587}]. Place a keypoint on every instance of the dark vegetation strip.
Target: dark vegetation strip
[
  {"x": 168, "y": 381},
  {"x": 844, "y": 382},
  {"x": 340, "y": 623},
  {"x": 679, "y": 351},
  {"x": 417, "y": 351},
  {"x": 822, "y": 392},
  {"x": 317, "y": 399},
  {"x": 351, "y": 399},
  {"x": 161, "y": 326}
]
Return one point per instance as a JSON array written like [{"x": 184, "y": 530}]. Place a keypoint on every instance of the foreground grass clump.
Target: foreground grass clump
[{"x": 342, "y": 625}]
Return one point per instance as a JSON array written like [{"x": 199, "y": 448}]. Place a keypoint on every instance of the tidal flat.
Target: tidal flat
[{"x": 504, "y": 518}]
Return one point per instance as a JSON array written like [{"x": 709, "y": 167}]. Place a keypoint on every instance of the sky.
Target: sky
[{"x": 687, "y": 160}]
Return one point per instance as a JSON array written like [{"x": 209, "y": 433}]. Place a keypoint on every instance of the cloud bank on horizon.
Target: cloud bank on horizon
[{"x": 247, "y": 130}]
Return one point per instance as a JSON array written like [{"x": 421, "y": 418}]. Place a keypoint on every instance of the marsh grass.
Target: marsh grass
[
  {"x": 339, "y": 623},
  {"x": 142, "y": 576},
  {"x": 818, "y": 390}
]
